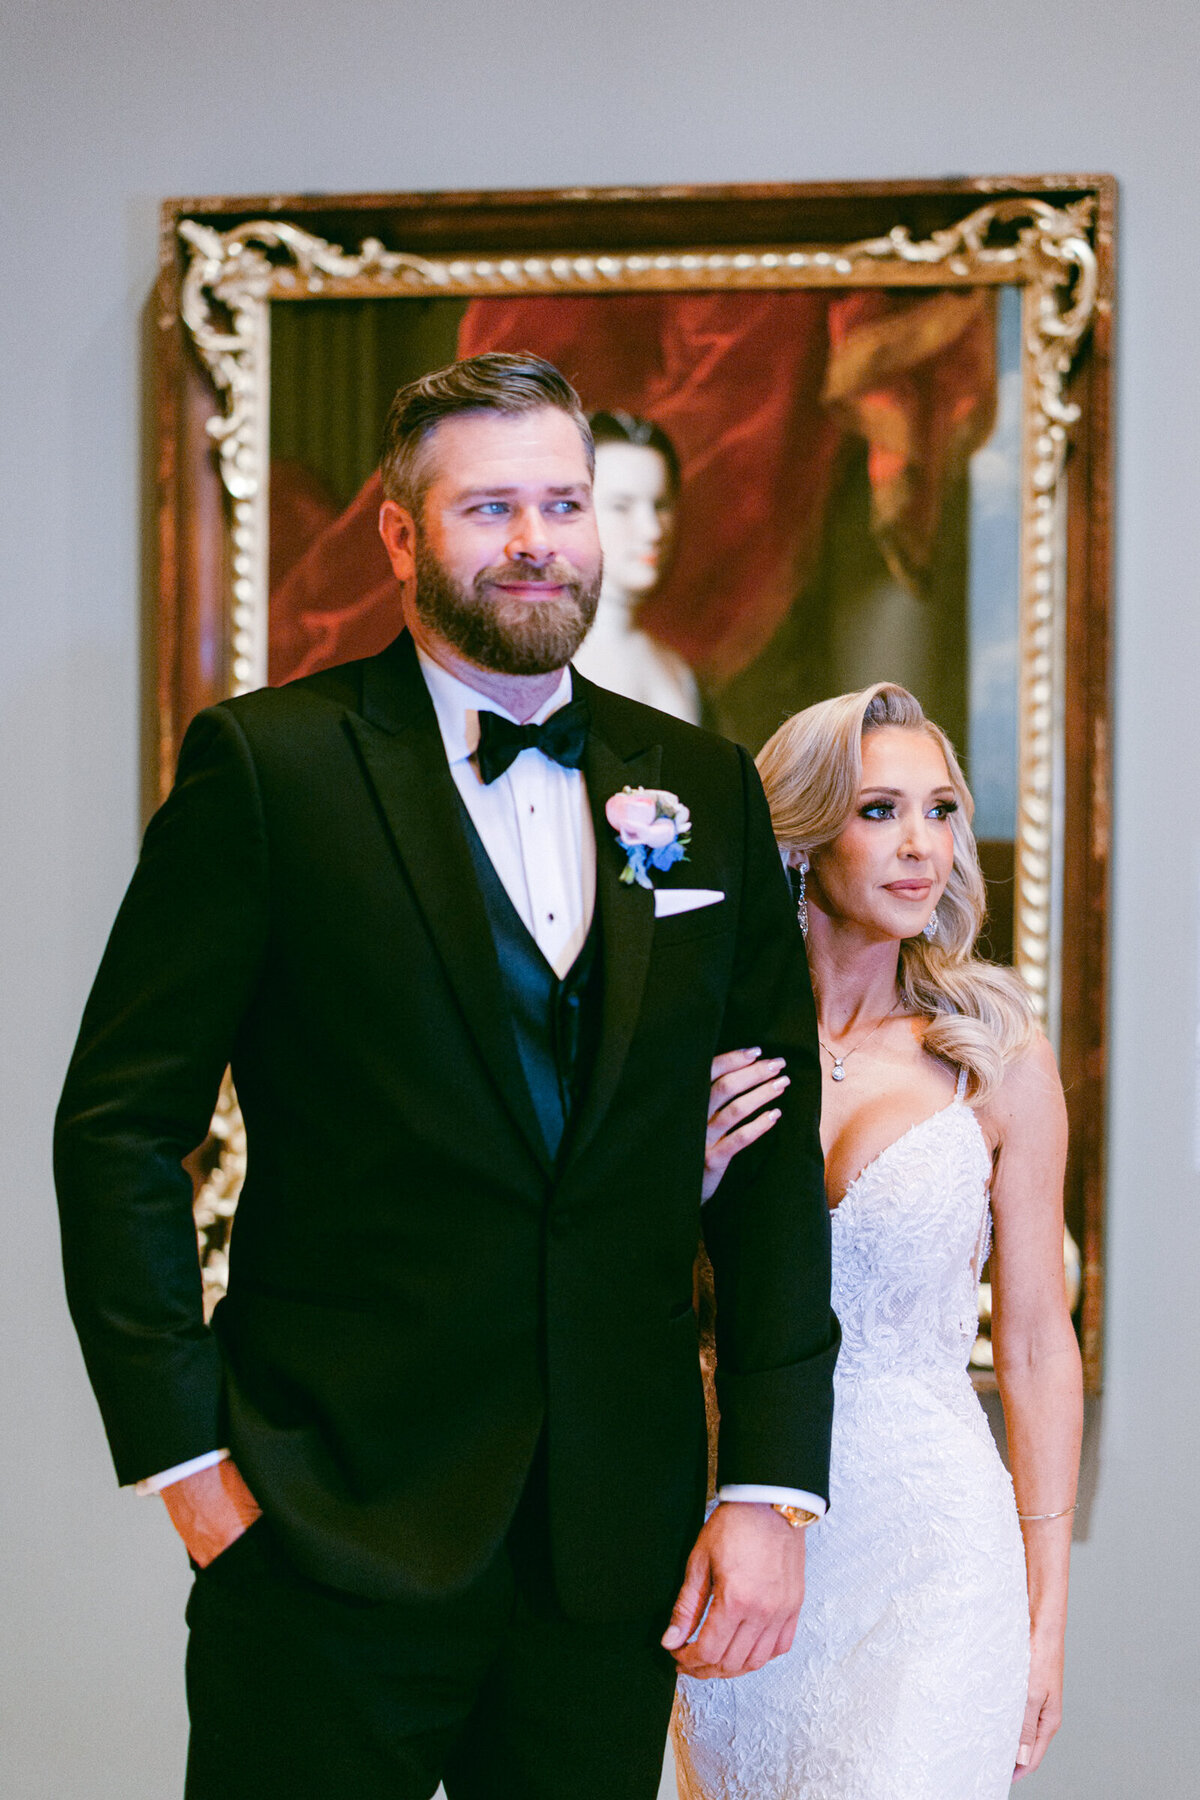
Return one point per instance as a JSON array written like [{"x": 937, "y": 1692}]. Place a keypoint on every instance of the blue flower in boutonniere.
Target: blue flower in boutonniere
[{"x": 652, "y": 828}]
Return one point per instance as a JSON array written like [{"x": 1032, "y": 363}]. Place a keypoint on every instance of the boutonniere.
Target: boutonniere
[{"x": 652, "y": 829}]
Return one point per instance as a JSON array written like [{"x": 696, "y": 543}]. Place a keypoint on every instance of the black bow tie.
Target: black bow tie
[{"x": 562, "y": 738}]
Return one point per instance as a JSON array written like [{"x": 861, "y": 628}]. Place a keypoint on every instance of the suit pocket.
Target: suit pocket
[
  {"x": 239, "y": 1550},
  {"x": 690, "y": 927}
]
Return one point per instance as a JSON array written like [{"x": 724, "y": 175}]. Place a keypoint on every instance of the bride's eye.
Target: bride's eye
[
  {"x": 878, "y": 809},
  {"x": 943, "y": 809}
]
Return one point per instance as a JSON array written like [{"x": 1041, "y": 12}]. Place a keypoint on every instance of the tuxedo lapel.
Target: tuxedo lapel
[
  {"x": 626, "y": 914},
  {"x": 404, "y": 761}
]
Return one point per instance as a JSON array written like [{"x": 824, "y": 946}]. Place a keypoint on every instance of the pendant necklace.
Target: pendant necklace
[{"x": 839, "y": 1072}]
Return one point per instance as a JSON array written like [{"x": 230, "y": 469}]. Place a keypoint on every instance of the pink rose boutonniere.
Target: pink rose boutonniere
[{"x": 652, "y": 828}]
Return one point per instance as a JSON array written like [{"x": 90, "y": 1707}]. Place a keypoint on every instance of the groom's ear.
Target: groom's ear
[{"x": 398, "y": 529}]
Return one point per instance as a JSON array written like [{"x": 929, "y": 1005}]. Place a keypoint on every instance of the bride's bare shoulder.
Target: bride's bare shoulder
[{"x": 1027, "y": 1110}]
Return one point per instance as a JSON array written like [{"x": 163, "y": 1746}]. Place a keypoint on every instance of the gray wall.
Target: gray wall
[{"x": 108, "y": 108}]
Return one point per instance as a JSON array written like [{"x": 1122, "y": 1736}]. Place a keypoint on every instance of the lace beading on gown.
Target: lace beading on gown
[{"x": 908, "y": 1675}]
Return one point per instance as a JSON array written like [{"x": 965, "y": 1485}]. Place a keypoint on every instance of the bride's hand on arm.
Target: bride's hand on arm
[{"x": 743, "y": 1081}]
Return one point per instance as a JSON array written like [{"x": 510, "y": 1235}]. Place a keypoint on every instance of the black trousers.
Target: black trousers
[{"x": 303, "y": 1692}]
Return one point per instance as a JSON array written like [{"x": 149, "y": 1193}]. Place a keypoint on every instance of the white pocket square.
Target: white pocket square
[{"x": 680, "y": 900}]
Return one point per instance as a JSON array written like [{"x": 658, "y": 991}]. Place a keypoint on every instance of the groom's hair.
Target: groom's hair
[{"x": 497, "y": 382}]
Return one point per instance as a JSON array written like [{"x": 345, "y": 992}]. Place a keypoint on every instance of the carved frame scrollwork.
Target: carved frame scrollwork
[{"x": 227, "y": 262}]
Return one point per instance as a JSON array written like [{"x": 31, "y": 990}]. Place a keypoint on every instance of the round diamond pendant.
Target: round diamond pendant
[{"x": 839, "y": 1074}]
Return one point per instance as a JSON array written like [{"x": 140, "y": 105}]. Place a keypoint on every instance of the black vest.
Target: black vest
[{"x": 555, "y": 1021}]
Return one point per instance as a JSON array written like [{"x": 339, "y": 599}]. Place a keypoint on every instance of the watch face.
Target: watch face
[{"x": 795, "y": 1515}]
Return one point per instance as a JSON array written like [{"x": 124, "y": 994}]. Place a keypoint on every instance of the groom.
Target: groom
[{"x": 440, "y": 1459}]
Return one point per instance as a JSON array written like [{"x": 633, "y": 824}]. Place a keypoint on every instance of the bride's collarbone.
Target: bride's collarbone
[{"x": 877, "y": 1103}]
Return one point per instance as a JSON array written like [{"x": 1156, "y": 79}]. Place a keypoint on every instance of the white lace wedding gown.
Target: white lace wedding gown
[{"x": 907, "y": 1678}]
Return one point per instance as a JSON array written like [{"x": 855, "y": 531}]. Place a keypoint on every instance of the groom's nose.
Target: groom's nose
[{"x": 529, "y": 538}]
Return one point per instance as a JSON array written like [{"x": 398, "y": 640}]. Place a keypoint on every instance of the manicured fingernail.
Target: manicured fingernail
[
  {"x": 672, "y": 1637},
  {"x": 774, "y": 1114},
  {"x": 1024, "y": 1753},
  {"x": 784, "y": 1081},
  {"x": 751, "y": 1054}
]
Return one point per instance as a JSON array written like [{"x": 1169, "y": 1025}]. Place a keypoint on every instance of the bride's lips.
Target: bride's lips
[{"x": 910, "y": 890}]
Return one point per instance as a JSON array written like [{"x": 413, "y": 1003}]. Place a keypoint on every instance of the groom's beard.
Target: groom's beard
[{"x": 494, "y": 631}]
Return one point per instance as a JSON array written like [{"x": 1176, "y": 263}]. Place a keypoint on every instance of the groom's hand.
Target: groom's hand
[
  {"x": 750, "y": 1563},
  {"x": 210, "y": 1509}
]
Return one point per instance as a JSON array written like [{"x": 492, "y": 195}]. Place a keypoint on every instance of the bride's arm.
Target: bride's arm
[{"x": 1037, "y": 1362}]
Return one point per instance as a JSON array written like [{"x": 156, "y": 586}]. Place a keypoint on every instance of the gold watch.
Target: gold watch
[{"x": 797, "y": 1516}]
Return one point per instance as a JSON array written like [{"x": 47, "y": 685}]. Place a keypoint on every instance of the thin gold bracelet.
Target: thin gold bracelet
[{"x": 1032, "y": 1518}]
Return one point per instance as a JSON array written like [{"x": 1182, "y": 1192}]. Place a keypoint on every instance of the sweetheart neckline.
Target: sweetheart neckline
[{"x": 917, "y": 1125}]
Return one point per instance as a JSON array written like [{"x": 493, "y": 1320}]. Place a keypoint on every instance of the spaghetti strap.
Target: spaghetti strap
[{"x": 960, "y": 1092}]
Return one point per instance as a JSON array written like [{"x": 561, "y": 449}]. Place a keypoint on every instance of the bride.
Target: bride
[{"x": 927, "y": 1663}]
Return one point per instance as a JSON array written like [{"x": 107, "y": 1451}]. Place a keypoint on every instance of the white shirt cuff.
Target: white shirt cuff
[
  {"x": 154, "y": 1484},
  {"x": 773, "y": 1496}
]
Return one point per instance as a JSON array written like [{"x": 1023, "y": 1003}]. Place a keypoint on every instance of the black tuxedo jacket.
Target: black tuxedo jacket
[{"x": 416, "y": 1296}]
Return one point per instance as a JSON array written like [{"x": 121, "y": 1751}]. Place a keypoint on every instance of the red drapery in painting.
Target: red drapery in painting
[{"x": 760, "y": 392}]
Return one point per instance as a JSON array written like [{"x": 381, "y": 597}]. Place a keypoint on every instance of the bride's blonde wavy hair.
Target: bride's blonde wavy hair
[{"x": 980, "y": 1014}]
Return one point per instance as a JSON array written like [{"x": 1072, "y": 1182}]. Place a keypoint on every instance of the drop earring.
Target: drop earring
[
  {"x": 802, "y": 902},
  {"x": 930, "y": 928}
]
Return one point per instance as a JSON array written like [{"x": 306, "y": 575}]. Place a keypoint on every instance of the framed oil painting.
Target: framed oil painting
[{"x": 883, "y": 415}]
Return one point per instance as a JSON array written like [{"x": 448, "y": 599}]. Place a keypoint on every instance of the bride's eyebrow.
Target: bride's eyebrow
[{"x": 890, "y": 793}]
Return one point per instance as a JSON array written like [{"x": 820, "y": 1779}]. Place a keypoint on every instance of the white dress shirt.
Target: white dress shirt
[
  {"x": 534, "y": 820},
  {"x": 536, "y": 825}
]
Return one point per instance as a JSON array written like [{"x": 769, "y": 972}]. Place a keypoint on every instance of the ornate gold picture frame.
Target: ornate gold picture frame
[{"x": 1047, "y": 242}]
